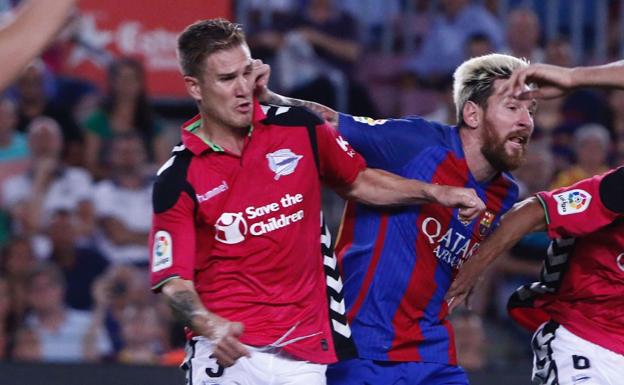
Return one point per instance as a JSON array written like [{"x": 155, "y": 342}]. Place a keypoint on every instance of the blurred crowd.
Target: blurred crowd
[{"x": 77, "y": 163}]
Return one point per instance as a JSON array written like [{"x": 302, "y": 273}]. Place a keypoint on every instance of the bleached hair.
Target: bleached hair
[{"x": 474, "y": 79}]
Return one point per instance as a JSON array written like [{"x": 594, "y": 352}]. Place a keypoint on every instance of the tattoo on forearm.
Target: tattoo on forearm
[{"x": 183, "y": 305}]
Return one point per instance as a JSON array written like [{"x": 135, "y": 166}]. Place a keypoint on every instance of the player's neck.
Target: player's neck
[
  {"x": 479, "y": 166},
  {"x": 230, "y": 138}
]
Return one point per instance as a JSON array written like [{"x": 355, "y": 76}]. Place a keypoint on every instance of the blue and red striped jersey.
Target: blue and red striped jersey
[{"x": 398, "y": 264}]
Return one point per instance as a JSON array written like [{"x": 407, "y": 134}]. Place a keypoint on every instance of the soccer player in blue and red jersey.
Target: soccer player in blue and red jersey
[
  {"x": 237, "y": 242},
  {"x": 577, "y": 308},
  {"x": 398, "y": 264}
]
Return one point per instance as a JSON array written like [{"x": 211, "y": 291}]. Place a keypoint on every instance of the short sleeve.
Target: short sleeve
[
  {"x": 172, "y": 235},
  {"x": 578, "y": 209},
  {"x": 387, "y": 143},
  {"x": 339, "y": 163}
]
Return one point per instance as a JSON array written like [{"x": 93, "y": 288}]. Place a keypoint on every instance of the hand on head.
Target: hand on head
[{"x": 546, "y": 81}]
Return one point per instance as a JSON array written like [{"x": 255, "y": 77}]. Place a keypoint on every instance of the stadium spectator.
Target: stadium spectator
[
  {"x": 34, "y": 101},
  {"x": 17, "y": 260},
  {"x": 14, "y": 153},
  {"x": 592, "y": 145},
  {"x": 80, "y": 262},
  {"x": 63, "y": 332},
  {"x": 48, "y": 185},
  {"x": 125, "y": 109},
  {"x": 123, "y": 203},
  {"x": 523, "y": 35},
  {"x": 143, "y": 335},
  {"x": 443, "y": 47}
]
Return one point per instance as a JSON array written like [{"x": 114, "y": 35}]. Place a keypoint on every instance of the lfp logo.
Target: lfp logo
[
  {"x": 572, "y": 202},
  {"x": 577, "y": 199}
]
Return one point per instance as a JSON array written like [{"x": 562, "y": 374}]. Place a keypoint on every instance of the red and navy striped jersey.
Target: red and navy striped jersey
[
  {"x": 398, "y": 264},
  {"x": 582, "y": 283},
  {"x": 246, "y": 229}
]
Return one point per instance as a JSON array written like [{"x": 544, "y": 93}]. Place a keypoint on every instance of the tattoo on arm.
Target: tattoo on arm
[
  {"x": 325, "y": 112},
  {"x": 183, "y": 304}
]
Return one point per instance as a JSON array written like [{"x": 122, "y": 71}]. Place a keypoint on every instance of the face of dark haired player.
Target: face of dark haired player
[
  {"x": 224, "y": 90},
  {"x": 507, "y": 129}
]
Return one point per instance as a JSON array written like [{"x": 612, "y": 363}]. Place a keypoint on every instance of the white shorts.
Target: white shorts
[
  {"x": 262, "y": 368},
  {"x": 563, "y": 358}
]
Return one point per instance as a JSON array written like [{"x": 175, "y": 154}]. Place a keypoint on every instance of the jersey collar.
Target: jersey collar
[{"x": 198, "y": 145}]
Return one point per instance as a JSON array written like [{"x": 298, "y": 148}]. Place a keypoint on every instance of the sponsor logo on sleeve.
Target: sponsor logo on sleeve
[
  {"x": 369, "y": 121},
  {"x": 283, "y": 162},
  {"x": 572, "y": 202},
  {"x": 162, "y": 254},
  {"x": 344, "y": 145}
]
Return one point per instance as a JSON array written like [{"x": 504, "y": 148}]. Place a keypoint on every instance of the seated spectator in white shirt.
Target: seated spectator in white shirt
[
  {"x": 48, "y": 185},
  {"x": 64, "y": 334},
  {"x": 123, "y": 203}
]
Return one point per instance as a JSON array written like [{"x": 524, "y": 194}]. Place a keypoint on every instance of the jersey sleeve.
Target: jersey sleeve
[
  {"x": 386, "y": 143},
  {"x": 172, "y": 236},
  {"x": 584, "y": 207},
  {"x": 339, "y": 163}
]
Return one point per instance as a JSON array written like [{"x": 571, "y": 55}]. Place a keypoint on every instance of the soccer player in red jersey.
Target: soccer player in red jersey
[
  {"x": 35, "y": 24},
  {"x": 577, "y": 308},
  {"x": 238, "y": 243}
]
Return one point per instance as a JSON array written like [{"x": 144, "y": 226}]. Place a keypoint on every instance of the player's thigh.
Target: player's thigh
[
  {"x": 202, "y": 369},
  {"x": 291, "y": 371},
  {"x": 562, "y": 358}
]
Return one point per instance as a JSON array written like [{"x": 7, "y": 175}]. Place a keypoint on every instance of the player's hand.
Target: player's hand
[
  {"x": 224, "y": 335},
  {"x": 550, "y": 82},
  {"x": 466, "y": 199},
  {"x": 470, "y": 274},
  {"x": 261, "y": 73}
]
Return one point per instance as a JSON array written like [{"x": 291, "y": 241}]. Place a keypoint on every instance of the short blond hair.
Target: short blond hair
[{"x": 474, "y": 79}]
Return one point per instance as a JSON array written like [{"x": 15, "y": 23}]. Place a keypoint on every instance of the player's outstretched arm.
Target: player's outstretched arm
[
  {"x": 381, "y": 188},
  {"x": 34, "y": 26},
  {"x": 554, "y": 81},
  {"x": 523, "y": 218},
  {"x": 187, "y": 306},
  {"x": 262, "y": 72}
]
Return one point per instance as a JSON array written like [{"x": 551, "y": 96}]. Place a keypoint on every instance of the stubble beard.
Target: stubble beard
[{"x": 493, "y": 149}]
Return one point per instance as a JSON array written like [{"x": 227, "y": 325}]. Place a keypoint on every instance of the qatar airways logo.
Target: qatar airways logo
[
  {"x": 451, "y": 246},
  {"x": 233, "y": 228}
]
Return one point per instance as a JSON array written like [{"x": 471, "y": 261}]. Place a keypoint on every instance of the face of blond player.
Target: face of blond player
[
  {"x": 506, "y": 130},
  {"x": 224, "y": 89}
]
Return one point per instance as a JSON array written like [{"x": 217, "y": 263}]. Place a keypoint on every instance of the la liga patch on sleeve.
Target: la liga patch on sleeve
[
  {"x": 572, "y": 202},
  {"x": 162, "y": 256}
]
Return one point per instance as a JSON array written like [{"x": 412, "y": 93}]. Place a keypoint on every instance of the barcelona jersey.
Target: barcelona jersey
[{"x": 398, "y": 263}]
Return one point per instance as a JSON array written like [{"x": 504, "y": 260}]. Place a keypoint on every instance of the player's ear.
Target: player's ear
[
  {"x": 192, "y": 87},
  {"x": 472, "y": 114}
]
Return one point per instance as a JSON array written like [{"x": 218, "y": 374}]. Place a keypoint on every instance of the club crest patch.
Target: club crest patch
[
  {"x": 572, "y": 202},
  {"x": 283, "y": 162},
  {"x": 485, "y": 226}
]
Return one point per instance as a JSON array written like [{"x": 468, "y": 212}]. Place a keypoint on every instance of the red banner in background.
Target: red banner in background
[{"x": 144, "y": 29}]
